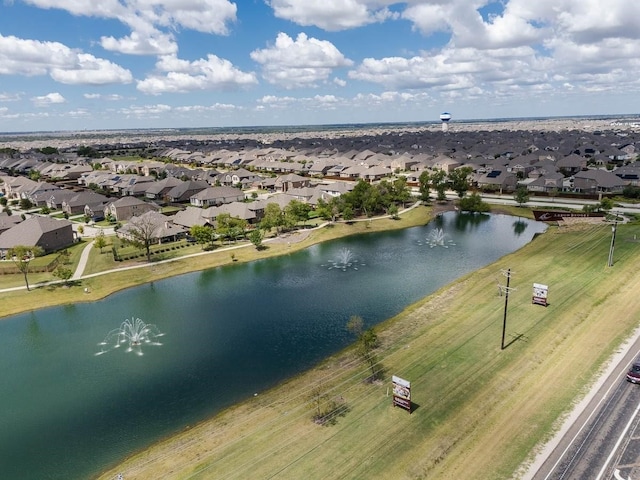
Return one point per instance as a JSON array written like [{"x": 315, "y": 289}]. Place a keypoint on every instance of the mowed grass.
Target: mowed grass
[{"x": 479, "y": 411}]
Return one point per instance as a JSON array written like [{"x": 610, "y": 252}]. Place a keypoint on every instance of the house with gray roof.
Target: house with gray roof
[
  {"x": 497, "y": 179},
  {"x": 240, "y": 176},
  {"x": 164, "y": 230},
  {"x": 48, "y": 233},
  {"x": 75, "y": 204},
  {"x": 8, "y": 221},
  {"x": 571, "y": 164},
  {"x": 126, "y": 207},
  {"x": 286, "y": 182},
  {"x": 251, "y": 212},
  {"x": 191, "y": 216},
  {"x": 597, "y": 181},
  {"x": 630, "y": 174},
  {"x": 185, "y": 190},
  {"x": 553, "y": 181},
  {"x": 158, "y": 190},
  {"x": 214, "y": 196}
]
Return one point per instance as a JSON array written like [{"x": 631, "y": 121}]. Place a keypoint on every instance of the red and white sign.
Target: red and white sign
[
  {"x": 401, "y": 393},
  {"x": 540, "y": 294}
]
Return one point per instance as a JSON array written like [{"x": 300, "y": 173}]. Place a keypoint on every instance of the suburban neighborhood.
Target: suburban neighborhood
[{"x": 182, "y": 183}]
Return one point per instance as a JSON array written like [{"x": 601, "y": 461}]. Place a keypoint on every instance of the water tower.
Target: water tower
[{"x": 445, "y": 117}]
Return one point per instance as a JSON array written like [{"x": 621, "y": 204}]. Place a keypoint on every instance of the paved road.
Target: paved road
[{"x": 600, "y": 440}]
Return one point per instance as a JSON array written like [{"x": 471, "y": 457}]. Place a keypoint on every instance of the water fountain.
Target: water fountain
[
  {"x": 437, "y": 238},
  {"x": 133, "y": 333},
  {"x": 344, "y": 261}
]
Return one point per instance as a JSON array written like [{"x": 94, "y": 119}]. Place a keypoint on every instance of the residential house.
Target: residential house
[
  {"x": 292, "y": 180},
  {"x": 185, "y": 190},
  {"x": 445, "y": 163},
  {"x": 48, "y": 233},
  {"x": 126, "y": 207},
  {"x": 158, "y": 190},
  {"x": 546, "y": 183},
  {"x": 8, "y": 221},
  {"x": 251, "y": 212},
  {"x": 190, "y": 217},
  {"x": 238, "y": 177},
  {"x": 597, "y": 181},
  {"x": 214, "y": 196},
  {"x": 629, "y": 174},
  {"x": 571, "y": 164},
  {"x": 76, "y": 204},
  {"x": 163, "y": 228},
  {"x": 500, "y": 180}
]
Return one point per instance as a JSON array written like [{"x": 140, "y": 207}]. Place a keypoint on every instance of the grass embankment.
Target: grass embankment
[
  {"x": 479, "y": 411},
  {"x": 100, "y": 286}
]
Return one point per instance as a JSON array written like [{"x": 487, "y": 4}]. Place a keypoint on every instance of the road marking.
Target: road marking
[
  {"x": 616, "y": 474},
  {"x": 620, "y": 438}
]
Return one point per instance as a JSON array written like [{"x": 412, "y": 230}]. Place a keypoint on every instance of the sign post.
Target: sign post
[
  {"x": 540, "y": 294},
  {"x": 401, "y": 393}
]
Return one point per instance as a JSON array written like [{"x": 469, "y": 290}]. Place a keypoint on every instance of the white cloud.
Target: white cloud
[
  {"x": 154, "y": 43},
  {"x": 180, "y": 76},
  {"x": 303, "y": 62},
  {"x": 146, "y": 111},
  {"x": 10, "y": 97},
  {"x": 145, "y": 18},
  {"x": 216, "y": 107},
  {"x": 464, "y": 22},
  {"x": 99, "y": 96},
  {"x": 90, "y": 70},
  {"x": 48, "y": 99},
  {"x": 331, "y": 15},
  {"x": 32, "y": 57}
]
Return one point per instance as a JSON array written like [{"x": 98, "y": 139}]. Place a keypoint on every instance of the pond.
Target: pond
[{"x": 220, "y": 335}]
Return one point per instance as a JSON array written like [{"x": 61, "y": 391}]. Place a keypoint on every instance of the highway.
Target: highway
[{"x": 603, "y": 442}]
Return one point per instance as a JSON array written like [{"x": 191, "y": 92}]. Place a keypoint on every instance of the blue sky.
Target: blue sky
[{"x": 115, "y": 64}]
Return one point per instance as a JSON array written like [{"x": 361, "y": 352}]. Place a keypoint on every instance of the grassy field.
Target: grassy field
[{"x": 479, "y": 411}]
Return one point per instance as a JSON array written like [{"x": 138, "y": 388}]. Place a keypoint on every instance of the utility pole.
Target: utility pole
[
  {"x": 506, "y": 289},
  {"x": 613, "y": 240}
]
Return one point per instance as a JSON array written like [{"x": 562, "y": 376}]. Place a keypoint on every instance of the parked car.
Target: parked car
[{"x": 633, "y": 375}]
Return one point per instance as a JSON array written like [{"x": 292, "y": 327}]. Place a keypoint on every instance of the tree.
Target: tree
[
  {"x": 521, "y": 195},
  {"x": 605, "y": 204},
  {"x": 63, "y": 273},
  {"x": 459, "y": 180},
  {"x": 366, "y": 342},
  {"x": 439, "y": 184},
  {"x": 21, "y": 256},
  {"x": 298, "y": 211},
  {"x": 203, "y": 235},
  {"x": 100, "y": 242},
  {"x": 393, "y": 211},
  {"x": 473, "y": 203},
  {"x": 401, "y": 192},
  {"x": 256, "y": 237},
  {"x": 424, "y": 181},
  {"x": 143, "y": 231},
  {"x": 230, "y": 227},
  {"x": 347, "y": 212},
  {"x": 273, "y": 218}
]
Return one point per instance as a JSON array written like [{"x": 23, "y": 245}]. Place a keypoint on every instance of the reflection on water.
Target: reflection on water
[{"x": 228, "y": 332}]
